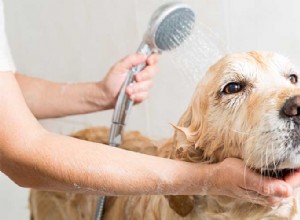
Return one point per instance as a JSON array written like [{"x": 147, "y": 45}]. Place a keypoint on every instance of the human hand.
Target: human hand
[
  {"x": 232, "y": 178},
  {"x": 138, "y": 92},
  {"x": 293, "y": 179}
]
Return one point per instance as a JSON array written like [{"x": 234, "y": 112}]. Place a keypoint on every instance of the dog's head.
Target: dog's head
[{"x": 246, "y": 106}]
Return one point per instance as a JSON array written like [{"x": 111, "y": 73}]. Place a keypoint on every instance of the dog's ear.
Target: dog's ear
[
  {"x": 181, "y": 204},
  {"x": 188, "y": 133},
  {"x": 183, "y": 138}
]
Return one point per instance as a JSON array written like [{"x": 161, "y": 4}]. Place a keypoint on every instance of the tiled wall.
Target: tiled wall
[{"x": 78, "y": 40}]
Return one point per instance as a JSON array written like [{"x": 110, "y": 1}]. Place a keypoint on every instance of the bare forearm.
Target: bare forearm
[
  {"x": 33, "y": 157},
  {"x": 49, "y": 99},
  {"x": 64, "y": 163}
]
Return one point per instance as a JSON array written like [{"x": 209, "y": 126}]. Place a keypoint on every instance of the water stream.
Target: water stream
[{"x": 197, "y": 53}]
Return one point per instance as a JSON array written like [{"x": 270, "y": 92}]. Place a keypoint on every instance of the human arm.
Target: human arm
[
  {"x": 49, "y": 99},
  {"x": 33, "y": 157}
]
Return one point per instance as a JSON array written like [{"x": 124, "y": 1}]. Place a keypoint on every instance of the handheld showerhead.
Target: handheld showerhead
[{"x": 169, "y": 26}]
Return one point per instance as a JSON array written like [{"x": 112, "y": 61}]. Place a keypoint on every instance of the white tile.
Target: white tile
[{"x": 265, "y": 25}]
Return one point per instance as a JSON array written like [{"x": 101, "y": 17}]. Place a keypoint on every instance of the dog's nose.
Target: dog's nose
[{"x": 291, "y": 107}]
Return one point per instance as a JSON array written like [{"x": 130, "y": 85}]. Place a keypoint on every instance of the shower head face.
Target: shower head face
[{"x": 170, "y": 25}]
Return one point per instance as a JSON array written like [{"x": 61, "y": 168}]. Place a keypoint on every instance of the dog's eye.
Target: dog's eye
[
  {"x": 232, "y": 88},
  {"x": 293, "y": 78}
]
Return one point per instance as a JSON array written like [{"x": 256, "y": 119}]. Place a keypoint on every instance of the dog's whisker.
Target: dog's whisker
[
  {"x": 273, "y": 155},
  {"x": 266, "y": 158}
]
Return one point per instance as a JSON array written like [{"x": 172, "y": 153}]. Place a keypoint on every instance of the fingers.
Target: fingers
[
  {"x": 140, "y": 97},
  {"x": 147, "y": 74},
  {"x": 139, "y": 87},
  {"x": 133, "y": 60},
  {"x": 268, "y": 201},
  {"x": 153, "y": 59},
  {"x": 267, "y": 186},
  {"x": 138, "y": 92},
  {"x": 248, "y": 184},
  {"x": 253, "y": 181},
  {"x": 256, "y": 198},
  {"x": 263, "y": 200}
]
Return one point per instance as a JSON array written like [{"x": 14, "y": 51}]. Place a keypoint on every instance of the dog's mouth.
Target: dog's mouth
[{"x": 279, "y": 174}]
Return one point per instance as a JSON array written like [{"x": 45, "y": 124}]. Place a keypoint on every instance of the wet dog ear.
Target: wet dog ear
[
  {"x": 188, "y": 133},
  {"x": 181, "y": 204},
  {"x": 182, "y": 141}
]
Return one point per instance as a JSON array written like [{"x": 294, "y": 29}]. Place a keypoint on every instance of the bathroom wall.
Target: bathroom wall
[{"x": 78, "y": 40}]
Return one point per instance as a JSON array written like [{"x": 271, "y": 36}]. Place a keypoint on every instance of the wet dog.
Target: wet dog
[{"x": 246, "y": 106}]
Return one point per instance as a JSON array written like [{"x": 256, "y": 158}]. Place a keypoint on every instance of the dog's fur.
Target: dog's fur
[{"x": 249, "y": 124}]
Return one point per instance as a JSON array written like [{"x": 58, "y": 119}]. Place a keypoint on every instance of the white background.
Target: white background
[{"x": 78, "y": 40}]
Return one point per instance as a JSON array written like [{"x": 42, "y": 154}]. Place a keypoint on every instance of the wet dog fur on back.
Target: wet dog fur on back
[{"x": 246, "y": 106}]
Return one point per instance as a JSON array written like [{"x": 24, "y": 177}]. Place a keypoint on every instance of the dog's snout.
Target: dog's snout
[{"x": 291, "y": 107}]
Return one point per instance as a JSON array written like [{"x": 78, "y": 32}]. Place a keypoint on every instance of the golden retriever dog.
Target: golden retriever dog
[{"x": 246, "y": 106}]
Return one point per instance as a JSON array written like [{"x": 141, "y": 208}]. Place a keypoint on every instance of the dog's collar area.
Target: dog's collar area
[{"x": 279, "y": 174}]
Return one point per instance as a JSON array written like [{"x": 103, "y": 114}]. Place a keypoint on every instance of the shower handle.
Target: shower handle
[{"x": 124, "y": 103}]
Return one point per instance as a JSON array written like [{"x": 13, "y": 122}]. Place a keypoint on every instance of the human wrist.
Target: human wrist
[
  {"x": 98, "y": 97},
  {"x": 203, "y": 178},
  {"x": 192, "y": 178}
]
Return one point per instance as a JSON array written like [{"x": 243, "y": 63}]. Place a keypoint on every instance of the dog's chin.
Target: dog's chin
[
  {"x": 283, "y": 168},
  {"x": 279, "y": 174},
  {"x": 287, "y": 164}
]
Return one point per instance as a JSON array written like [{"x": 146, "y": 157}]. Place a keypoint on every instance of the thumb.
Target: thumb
[
  {"x": 267, "y": 186},
  {"x": 133, "y": 60}
]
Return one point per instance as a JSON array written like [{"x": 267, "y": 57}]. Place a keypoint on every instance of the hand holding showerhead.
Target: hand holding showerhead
[{"x": 169, "y": 26}]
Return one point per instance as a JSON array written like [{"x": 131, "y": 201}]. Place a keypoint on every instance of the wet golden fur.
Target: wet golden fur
[{"x": 216, "y": 125}]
